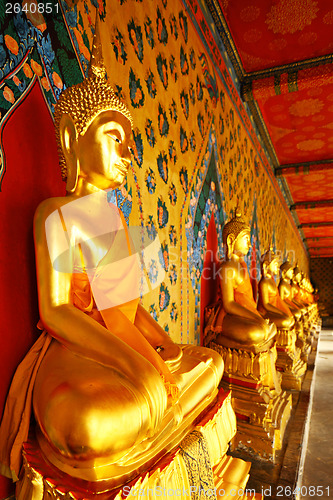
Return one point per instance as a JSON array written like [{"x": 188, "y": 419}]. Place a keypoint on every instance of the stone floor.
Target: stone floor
[
  {"x": 315, "y": 477},
  {"x": 282, "y": 479}
]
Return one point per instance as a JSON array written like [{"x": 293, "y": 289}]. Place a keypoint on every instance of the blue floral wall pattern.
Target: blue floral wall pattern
[{"x": 206, "y": 198}]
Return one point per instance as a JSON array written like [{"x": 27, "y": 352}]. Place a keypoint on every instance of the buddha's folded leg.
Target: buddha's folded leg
[
  {"x": 198, "y": 376},
  {"x": 248, "y": 332},
  {"x": 87, "y": 410},
  {"x": 281, "y": 321}
]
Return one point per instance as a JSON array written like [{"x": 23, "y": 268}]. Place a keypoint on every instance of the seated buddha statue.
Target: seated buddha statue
[
  {"x": 108, "y": 388},
  {"x": 285, "y": 289},
  {"x": 237, "y": 322},
  {"x": 305, "y": 287},
  {"x": 296, "y": 291},
  {"x": 270, "y": 304}
]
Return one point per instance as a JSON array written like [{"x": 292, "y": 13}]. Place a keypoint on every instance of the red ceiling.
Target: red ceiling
[
  {"x": 318, "y": 232},
  {"x": 313, "y": 215},
  {"x": 312, "y": 186},
  {"x": 320, "y": 242},
  {"x": 323, "y": 252},
  {"x": 295, "y": 104},
  {"x": 300, "y": 124},
  {"x": 270, "y": 33}
]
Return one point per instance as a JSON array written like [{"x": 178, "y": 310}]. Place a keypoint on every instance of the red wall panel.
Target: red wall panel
[{"x": 32, "y": 174}]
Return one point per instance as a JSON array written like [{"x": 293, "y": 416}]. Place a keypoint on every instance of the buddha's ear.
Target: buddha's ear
[
  {"x": 68, "y": 140},
  {"x": 230, "y": 245},
  {"x": 264, "y": 266}
]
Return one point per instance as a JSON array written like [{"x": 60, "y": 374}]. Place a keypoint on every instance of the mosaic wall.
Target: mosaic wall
[{"x": 195, "y": 154}]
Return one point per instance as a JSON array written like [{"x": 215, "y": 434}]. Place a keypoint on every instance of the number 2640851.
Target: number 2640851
[{"x": 32, "y": 8}]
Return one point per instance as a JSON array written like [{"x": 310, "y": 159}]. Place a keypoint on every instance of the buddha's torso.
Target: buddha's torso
[{"x": 285, "y": 289}]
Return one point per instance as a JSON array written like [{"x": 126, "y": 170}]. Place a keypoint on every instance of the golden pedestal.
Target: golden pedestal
[
  {"x": 197, "y": 468},
  {"x": 289, "y": 362},
  {"x": 262, "y": 408},
  {"x": 303, "y": 340},
  {"x": 314, "y": 320}
]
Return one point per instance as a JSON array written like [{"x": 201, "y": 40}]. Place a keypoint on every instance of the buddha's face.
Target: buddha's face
[
  {"x": 242, "y": 243},
  {"x": 274, "y": 267},
  {"x": 103, "y": 151}
]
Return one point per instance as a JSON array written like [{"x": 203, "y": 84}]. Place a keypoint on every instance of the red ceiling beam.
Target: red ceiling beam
[
  {"x": 290, "y": 78},
  {"x": 320, "y": 249},
  {"x": 315, "y": 224},
  {"x": 304, "y": 168},
  {"x": 311, "y": 204},
  {"x": 318, "y": 238},
  {"x": 328, "y": 256}
]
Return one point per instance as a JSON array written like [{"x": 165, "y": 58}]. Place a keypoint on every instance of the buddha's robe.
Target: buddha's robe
[
  {"x": 243, "y": 295},
  {"x": 276, "y": 301}
]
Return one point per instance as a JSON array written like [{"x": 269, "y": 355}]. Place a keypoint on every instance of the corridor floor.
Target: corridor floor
[{"x": 316, "y": 466}]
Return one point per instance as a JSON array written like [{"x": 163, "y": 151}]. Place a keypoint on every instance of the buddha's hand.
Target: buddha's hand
[
  {"x": 271, "y": 330},
  {"x": 171, "y": 353}
]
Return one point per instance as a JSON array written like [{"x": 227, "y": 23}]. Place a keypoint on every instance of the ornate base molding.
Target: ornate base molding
[
  {"x": 289, "y": 361},
  {"x": 303, "y": 340},
  {"x": 262, "y": 408},
  {"x": 197, "y": 464}
]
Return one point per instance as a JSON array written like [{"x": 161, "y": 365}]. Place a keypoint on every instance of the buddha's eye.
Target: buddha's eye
[{"x": 115, "y": 137}]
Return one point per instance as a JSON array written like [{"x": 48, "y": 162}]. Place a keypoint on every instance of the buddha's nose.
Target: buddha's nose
[{"x": 126, "y": 156}]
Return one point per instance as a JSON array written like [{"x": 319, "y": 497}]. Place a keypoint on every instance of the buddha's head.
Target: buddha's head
[
  {"x": 93, "y": 130},
  {"x": 287, "y": 270},
  {"x": 269, "y": 263},
  {"x": 236, "y": 236}
]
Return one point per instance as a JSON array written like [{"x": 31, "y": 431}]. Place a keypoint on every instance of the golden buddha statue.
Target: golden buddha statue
[
  {"x": 288, "y": 291},
  {"x": 270, "y": 304},
  {"x": 246, "y": 340},
  {"x": 273, "y": 307},
  {"x": 307, "y": 298},
  {"x": 237, "y": 323},
  {"x": 296, "y": 292},
  {"x": 111, "y": 392},
  {"x": 285, "y": 288}
]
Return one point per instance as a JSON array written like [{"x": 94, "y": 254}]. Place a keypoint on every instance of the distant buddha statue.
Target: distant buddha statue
[
  {"x": 297, "y": 295},
  {"x": 237, "y": 322},
  {"x": 109, "y": 388},
  {"x": 289, "y": 292},
  {"x": 305, "y": 289},
  {"x": 270, "y": 304},
  {"x": 285, "y": 289},
  {"x": 247, "y": 341}
]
